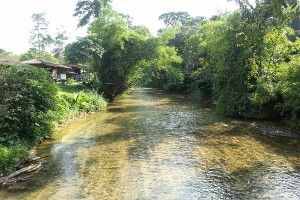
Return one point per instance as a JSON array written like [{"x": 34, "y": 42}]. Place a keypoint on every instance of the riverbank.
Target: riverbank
[
  {"x": 152, "y": 145},
  {"x": 72, "y": 101},
  {"x": 34, "y": 163}
]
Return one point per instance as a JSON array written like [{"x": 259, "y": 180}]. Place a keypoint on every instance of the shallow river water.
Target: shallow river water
[{"x": 149, "y": 145}]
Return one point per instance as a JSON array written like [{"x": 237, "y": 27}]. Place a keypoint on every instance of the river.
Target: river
[{"x": 151, "y": 145}]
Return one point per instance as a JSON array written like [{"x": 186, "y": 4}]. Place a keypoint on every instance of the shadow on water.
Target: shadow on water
[{"x": 150, "y": 145}]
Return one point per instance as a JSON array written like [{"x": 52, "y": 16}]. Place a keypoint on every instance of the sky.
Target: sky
[{"x": 16, "y": 23}]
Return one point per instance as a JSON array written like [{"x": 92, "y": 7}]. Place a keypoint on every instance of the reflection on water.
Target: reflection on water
[{"x": 149, "y": 145}]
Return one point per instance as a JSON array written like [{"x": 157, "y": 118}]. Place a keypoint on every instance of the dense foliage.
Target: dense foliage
[
  {"x": 73, "y": 99},
  {"x": 87, "y": 9},
  {"x": 32, "y": 54},
  {"x": 246, "y": 61},
  {"x": 289, "y": 87},
  {"x": 8, "y": 55},
  {"x": 30, "y": 105},
  {"x": 26, "y": 95}
]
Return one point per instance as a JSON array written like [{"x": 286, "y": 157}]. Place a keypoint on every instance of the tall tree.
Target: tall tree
[
  {"x": 59, "y": 43},
  {"x": 296, "y": 19},
  {"x": 87, "y": 9},
  {"x": 83, "y": 51},
  {"x": 40, "y": 39}
]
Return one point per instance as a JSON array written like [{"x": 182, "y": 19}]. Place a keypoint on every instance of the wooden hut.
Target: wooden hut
[
  {"x": 59, "y": 72},
  {"x": 78, "y": 72}
]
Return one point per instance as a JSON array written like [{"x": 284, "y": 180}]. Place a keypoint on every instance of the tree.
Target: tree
[
  {"x": 158, "y": 70},
  {"x": 33, "y": 54},
  {"x": 40, "y": 39},
  {"x": 185, "y": 36},
  {"x": 88, "y": 9},
  {"x": 83, "y": 51},
  {"x": 207, "y": 46},
  {"x": 123, "y": 49},
  {"x": 8, "y": 55},
  {"x": 246, "y": 77},
  {"x": 290, "y": 89},
  {"x": 172, "y": 18},
  {"x": 295, "y": 24},
  {"x": 59, "y": 43}
]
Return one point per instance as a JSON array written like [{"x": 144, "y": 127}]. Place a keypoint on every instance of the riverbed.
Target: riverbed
[{"x": 152, "y": 145}]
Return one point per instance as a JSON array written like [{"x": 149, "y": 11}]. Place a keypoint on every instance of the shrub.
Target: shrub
[
  {"x": 70, "y": 81},
  {"x": 26, "y": 94},
  {"x": 289, "y": 87},
  {"x": 30, "y": 105},
  {"x": 172, "y": 79},
  {"x": 202, "y": 85},
  {"x": 89, "y": 101},
  {"x": 71, "y": 100},
  {"x": 11, "y": 156}
]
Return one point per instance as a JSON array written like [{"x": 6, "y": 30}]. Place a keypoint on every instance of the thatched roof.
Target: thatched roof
[
  {"x": 5, "y": 62},
  {"x": 45, "y": 64}
]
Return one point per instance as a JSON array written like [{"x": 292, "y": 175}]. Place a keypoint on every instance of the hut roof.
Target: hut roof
[
  {"x": 44, "y": 63},
  {"x": 9, "y": 62},
  {"x": 76, "y": 66}
]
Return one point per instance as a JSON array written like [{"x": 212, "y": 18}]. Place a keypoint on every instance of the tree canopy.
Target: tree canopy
[
  {"x": 40, "y": 39},
  {"x": 88, "y": 9},
  {"x": 239, "y": 60}
]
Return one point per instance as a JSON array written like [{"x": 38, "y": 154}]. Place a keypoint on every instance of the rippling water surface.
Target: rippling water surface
[{"x": 149, "y": 145}]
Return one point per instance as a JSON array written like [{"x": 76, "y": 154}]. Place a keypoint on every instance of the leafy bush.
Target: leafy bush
[
  {"x": 172, "y": 79},
  {"x": 289, "y": 87},
  {"x": 89, "y": 101},
  {"x": 70, "y": 81},
  {"x": 11, "y": 156},
  {"x": 30, "y": 105},
  {"x": 232, "y": 74},
  {"x": 26, "y": 95},
  {"x": 202, "y": 85},
  {"x": 71, "y": 100}
]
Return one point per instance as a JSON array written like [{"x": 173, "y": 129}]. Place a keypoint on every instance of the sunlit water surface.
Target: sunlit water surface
[{"x": 149, "y": 145}]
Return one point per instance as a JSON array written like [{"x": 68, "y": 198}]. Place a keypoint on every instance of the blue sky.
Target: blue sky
[{"x": 16, "y": 22}]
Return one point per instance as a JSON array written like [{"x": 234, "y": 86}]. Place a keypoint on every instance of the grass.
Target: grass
[{"x": 72, "y": 100}]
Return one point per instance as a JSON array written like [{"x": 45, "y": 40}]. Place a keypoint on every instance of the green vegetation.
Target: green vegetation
[
  {"x": 87, "y": 9},
  {"x": 8, "y": 55},
  {"x": 117, "y": 50},
  {"x": 26, "y": 95},
  {"x": 31, "y": 105},
  {"x": 72, "y": 99},
  {"x": 289, "y": 88},
  {"x": 246, "y": 61},
  {"x": 11, "y": 156},
  {"x": 33, "y": 54}
]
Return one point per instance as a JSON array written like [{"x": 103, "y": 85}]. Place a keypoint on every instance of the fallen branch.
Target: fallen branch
[{"x": 13, "y": 178}]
